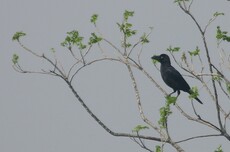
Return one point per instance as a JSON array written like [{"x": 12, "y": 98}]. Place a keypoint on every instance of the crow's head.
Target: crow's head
[{"x": 163, "y": 58}]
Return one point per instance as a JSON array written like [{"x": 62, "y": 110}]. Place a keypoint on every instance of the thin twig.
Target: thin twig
[
  {"x": 193, "y": 107},
  {"x": 140, "y": 144},
  {"x": 27, "y": 49},
  {"x": 111, "y": 44},
  {"x": 196, "y": 137},
  {"x": 198, "y": 120},
  {"x": 89, "y": 63}
]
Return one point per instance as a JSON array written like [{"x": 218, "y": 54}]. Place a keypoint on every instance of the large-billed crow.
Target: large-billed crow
[{"x": 172, "y": 77}]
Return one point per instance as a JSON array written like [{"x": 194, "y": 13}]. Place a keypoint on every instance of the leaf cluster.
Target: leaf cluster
[
  {"x": 139, "y": 128},
  {"x": 217, "y": 14},
  {"x": 144, "y": 38},
  {"x": 222, "y": 35},
  {"x": 73, "y": 38},
  {"x": 219, "y": 149},
  {"x": 173, "y": 49},
  {"x": 195, "y": 52},
  {"x": 228, "y": 87},
  {"x": 17, "y": 35},
  {"x": 94, "y": 18},
  {"x": 165, "y": 111},
  {"x": 126, "y": 27},
  {"x": 217, "y": 78},
  {"x": 127, "y": 14},
  {"x": 15, "y": 58},
  {"x": 158, "y": 149},
  {"x": 94, "y": 39}
]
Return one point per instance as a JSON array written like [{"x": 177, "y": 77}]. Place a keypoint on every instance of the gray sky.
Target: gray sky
[{"x": 39, "y": 113}]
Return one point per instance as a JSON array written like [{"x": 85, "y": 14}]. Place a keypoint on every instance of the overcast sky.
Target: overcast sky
[{"x": 39, "y": 113}]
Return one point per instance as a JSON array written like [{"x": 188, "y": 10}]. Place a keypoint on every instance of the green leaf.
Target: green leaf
[
  {"x": 94, "y": 18},
  {"x": 126, "y": 28},
  {"x": 73, "y": 38},
  {"x": 128, "y": 14},
  {"x": 158, "y": 148},
  {"x": 121, "y": 26},
  {"x": 15, "y": 58},
  {"x": 128, "y": 25},
  {"x": 129, "y": 32},
  {"x": 127, "y": 45},
  {"x": 165, "y": 111},
  {"x": 217, "y": 78},
  {"x": 94, "y": 39},
  {"x": 228, "y": 87},
  {"x": 139, "y": 128},
  {"x": 222, "y": 35},
  {"x": 52, "y": 50},
  {"x": 219, "y": 149},
  {"x": 171, "y": 99},
  {"x": 17, "y": 35},
  {"x": 183, "y": 57},
  {"x": 217, "y": 14},
  {"x": 178, "y": 1},
  {"x": 195, "y": 52},
  {"x": 173, "y": 49},
  {"x": 218, "y": 33},
  {"x": 194, "y": 93},
  {"x": 81, "y": 46},
  {"x": 144, "y": 39}
]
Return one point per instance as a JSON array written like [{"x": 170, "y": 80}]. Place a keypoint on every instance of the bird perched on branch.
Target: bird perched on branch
[{"x": 172, "y": 77}]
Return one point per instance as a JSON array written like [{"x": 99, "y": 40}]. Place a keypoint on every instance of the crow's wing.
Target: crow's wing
[{"x": 174, "y": 79}]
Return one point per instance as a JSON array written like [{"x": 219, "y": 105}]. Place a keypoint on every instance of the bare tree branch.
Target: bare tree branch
[{"x": 197, "y": 137}]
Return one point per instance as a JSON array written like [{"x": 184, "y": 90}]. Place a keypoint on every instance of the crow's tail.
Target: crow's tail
[
  {"x": 190, "y": 92},
  {"x": 199, "y": 100}
]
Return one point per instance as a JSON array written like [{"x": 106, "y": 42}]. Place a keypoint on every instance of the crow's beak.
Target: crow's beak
[{"x": 155, "y": 57}]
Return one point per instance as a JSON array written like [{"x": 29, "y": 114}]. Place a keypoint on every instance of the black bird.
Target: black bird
[{"x": 172, "y": 77}]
